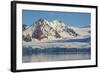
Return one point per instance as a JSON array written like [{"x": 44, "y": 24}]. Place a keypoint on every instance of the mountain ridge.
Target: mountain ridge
[{"x": 43, "y": 29}]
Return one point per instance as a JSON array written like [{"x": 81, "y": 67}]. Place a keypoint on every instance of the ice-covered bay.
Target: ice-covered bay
[{"x": 63, "y": 43}]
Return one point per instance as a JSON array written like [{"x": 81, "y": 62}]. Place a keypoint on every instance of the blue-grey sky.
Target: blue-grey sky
[{"x": 69, "y": 18}]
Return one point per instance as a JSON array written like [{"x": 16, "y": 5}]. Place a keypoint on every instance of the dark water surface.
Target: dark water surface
[{"x": 55, "y": 54}]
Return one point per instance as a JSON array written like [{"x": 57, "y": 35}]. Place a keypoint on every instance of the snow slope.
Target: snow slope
[{"x": 83, "y": 32}]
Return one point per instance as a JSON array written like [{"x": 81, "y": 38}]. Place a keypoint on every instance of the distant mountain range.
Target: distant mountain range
[{"x": 43, "y": 29}]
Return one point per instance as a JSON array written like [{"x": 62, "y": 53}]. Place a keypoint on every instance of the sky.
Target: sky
[{"x": 69, "y": 18}]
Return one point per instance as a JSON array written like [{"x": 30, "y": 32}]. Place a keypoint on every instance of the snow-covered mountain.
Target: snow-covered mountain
[{"x": 44, "y": 30}]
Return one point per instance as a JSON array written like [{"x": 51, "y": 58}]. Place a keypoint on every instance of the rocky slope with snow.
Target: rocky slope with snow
[{"x": 42, "y": 30}]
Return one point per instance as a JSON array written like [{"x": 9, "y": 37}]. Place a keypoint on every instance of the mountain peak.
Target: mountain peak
[
  {"x": 41, "y": 21},
  {"x": 58, "y": 21},
  {"x": 43, "y": 29}
]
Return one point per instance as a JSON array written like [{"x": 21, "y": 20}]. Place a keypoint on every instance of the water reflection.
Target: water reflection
[{"x": 55, "y": 54}]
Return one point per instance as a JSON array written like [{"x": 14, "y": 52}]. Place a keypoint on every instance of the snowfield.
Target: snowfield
[{"x": 62, "y": 43}]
